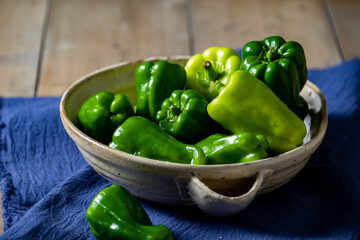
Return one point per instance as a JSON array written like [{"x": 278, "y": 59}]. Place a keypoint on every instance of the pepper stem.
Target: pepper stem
[
  {"x": 211, "y": 73},
  {"x": 172, "y": 113},
  {"x": 271, "y": 55}
]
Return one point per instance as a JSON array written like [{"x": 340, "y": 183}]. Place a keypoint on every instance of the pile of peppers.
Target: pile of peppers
[{"x": 221, "y": 108}]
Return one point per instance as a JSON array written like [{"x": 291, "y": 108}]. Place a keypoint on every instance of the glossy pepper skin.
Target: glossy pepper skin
[
  {"x": 102, "y": 113},
  {"x": 184, "y": 116},
  {"x": 280, "y": 64},
  {"x": 115, "y": 214},
  {"x": 141, "y": 137},
  {"x": 237, "y": 148},
  {"x": 247, "y": 104},
  {"x": 209, "y": 72},
  {"x": 154, "y": 83}
]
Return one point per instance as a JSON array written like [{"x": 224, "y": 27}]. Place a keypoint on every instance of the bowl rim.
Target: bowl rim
[{"x": 88, "y": 141}]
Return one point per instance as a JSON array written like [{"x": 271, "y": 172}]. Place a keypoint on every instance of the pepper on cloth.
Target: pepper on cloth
[{"x": 115, "y": 213}]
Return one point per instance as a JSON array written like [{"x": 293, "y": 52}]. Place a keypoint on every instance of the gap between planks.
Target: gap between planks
[
  {"x": 335, "y": 34},
  {"x": 42, "y": 46}
]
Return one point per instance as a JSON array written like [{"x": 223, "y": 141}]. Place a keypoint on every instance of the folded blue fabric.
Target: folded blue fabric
[{"x": 47, "y": 185}]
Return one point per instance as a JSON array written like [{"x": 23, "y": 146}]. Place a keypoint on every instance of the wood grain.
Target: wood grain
[
  {"x": 85, "y": 35},
  {"x": 21, "y": 24},
  {"x": 345, "y": 15},
  {"x": 233, "y": 23}
]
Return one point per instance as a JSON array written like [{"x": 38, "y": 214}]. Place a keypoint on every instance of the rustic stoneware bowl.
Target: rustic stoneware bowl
[{"x": 219, "y": 190}]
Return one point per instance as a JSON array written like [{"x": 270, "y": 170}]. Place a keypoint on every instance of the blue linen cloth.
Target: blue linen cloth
[{"x": 47, "y": 185}]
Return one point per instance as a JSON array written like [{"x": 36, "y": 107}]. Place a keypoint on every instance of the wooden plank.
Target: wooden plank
[
  {"x": 86, "y": 35},
  {"x": 233, "y": 23},
  {"x": 21, "y": 24},
  {"x": 345, "y": 15}
]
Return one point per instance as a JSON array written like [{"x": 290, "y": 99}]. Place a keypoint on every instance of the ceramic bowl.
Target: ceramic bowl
[{"x": 219, "y": 190}]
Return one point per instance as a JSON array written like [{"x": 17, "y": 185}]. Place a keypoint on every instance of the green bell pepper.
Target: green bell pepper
[
  {"x": 116, "y": 214},
  {"x": 238, "y": 148},
  {"x": 184, "y": 116},
  {"x": 141, "y": 137},
  {"x": 247, "y": 104},
  {"x": 154, "y": 83},
  {"x": 102, "y": 113},
  {"x": 280, "y": 64},
  {"x": 208, "y": 72}
]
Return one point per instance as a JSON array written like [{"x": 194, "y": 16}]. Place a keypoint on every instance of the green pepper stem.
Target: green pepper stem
[
  {"x": 271, "y": 55},
  {"x": 211, "y": 73},
  {"x": 207, "y": 64},
  {"x": 172, "y": 113}
]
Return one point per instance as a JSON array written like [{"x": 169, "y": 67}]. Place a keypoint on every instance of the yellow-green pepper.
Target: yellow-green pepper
[
  {"x": 210, "y": 71},
  {"x": 247, "y": 104}
]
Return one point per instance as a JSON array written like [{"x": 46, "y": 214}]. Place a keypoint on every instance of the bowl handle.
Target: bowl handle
[{"x": 216, "y": 204}]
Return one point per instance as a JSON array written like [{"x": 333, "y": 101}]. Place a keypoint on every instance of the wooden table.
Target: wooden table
[{"x": 45, "y": 45}]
